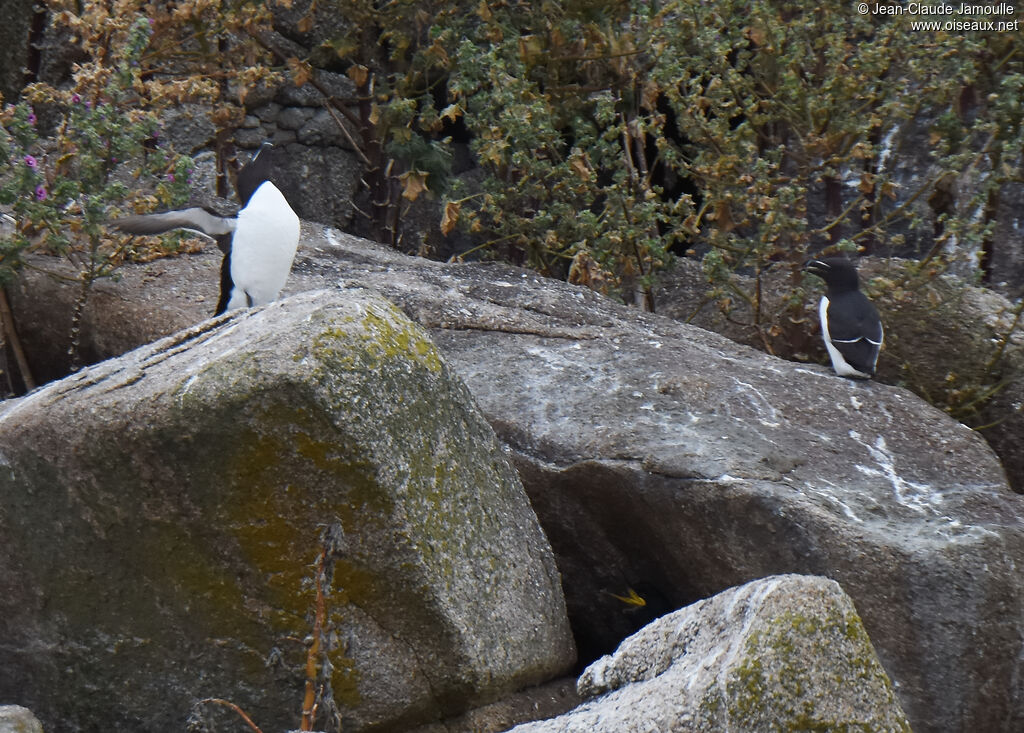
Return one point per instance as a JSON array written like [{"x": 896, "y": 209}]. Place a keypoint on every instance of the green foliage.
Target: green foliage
[
  {"x": 748, "y": 133},
  {"x": 61, "y": 178},
  {"x": 566, "y": 130},
  {"x": 60, "y": 187},
  {"x": 399, "y": 71}
]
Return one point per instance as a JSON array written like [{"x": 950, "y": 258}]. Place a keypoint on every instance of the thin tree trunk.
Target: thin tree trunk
[{"x": 10, "y": 335}]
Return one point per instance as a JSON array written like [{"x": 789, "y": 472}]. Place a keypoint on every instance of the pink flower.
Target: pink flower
[
  {"x": 30, "y": 161},
  {"x": 31, "y": 118},
  {"x": 75, "y": 98},
  {"x": 170, "y": 177},
  {"x": 40, "y": 193}
]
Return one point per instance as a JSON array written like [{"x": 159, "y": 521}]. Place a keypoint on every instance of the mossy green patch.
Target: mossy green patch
[
  {"x": 280, "y": 479},
  {"x": 381, "y": 334},
  {"x": 392, "y": 334},
  {"x": 777, "y": 682}
]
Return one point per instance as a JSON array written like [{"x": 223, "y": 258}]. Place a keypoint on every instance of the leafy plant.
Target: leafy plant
[
  {"x": 610, "y": 135},
  {"x": 567, "y": 128},
  {"x": 76, "y": 154},
  {"x": 399, "y": 71},
  {"x": 68, "y": 157},
  {"x": 747, "y": 134}
]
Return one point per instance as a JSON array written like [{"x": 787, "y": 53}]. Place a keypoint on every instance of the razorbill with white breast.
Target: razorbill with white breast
[
  {"x": 850, "y": 325},
  {"x": 259, "y": 243}
]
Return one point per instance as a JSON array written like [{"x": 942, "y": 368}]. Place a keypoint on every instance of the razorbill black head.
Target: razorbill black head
[
  {"x": 850, "y": 325},
  {"x": 259, "y": 243}
]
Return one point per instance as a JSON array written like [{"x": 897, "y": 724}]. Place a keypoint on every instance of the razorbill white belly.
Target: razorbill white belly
[
  {"x": 850, "y": 325},
  {"x": 259, "y": 243}
]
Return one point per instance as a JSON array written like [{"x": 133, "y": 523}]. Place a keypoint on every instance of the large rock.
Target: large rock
[
  {"x": 165, "y": 516},
  {"x": 959, "y": 345},
  {"x": 783, "y": 653},
  {"x": 663, "y": 458},
  {"x": 964, "y": 346}
]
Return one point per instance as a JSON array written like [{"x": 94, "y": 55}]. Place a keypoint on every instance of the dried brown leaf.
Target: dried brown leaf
[
  {"x": 414, "y": 183},
  {"x": 359, "y": 74},
  {"x": 450, "y": 217}
]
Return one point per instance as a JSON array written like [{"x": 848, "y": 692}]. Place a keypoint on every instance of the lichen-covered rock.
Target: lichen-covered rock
[
  {"x": 955, "y": 343},
  {"x": 163, "y": 515},
  {"x": 784, "y": 653},
  {"x": 16, "y": 719},
  {"x": 664, "y": 458}
]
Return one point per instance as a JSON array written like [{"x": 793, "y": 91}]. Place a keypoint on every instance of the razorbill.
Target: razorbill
[
  {"x": 850, "y": 325},
  {"x": 259, "y": 243}
]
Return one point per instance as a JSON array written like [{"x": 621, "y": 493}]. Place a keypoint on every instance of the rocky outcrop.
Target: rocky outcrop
[
  {"x": 958, "y": 345},
  {"x": 315, "y": 164},
  {"x": 666, "y": 459},
  {"x": 662, "y": 457},
  {"x": 783, "y": 653},
  {"x": 169, "y": 515}
]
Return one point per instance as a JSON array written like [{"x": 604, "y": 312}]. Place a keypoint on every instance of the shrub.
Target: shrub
[
  {"x": 747, "y": 134},
  {"x": 68, "y": 156}
]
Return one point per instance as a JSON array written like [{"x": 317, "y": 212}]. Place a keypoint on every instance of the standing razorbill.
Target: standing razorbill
[
  {"x": 850, "y": 325},
  {"x": 259, "y": 243}
]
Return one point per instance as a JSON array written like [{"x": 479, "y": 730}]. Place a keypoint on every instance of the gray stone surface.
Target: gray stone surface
[
  {"x": 163, "y": 513},
  {"x": 293, "y": 118},
  {"x": 543, "y": 701},
  {"x": 322, "y": 129},
  {"x": 944, "y": 338},
  {"x": 324, "y": 22},
  {"x": 318, "y": 181},
  {"x": 664, "y": 458},
  {"x": 17, "y": 719},
  {"x": 14, "y": 49},
  {"x": 189, "y": 129},
  {"x": 783, "y": 653},
  {"x": 267, "y": 112},
  {"x": 337, "y": 85}
]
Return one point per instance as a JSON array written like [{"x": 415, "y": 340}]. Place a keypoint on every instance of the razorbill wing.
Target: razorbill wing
[
  {"x": 259, "y": 243},
  {"x": 850, "y": 325}
]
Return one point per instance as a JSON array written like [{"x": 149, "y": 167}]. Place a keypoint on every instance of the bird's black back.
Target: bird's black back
[
  {"x": 855, "y": 329},
  {"x": 851, "y": 316}
]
